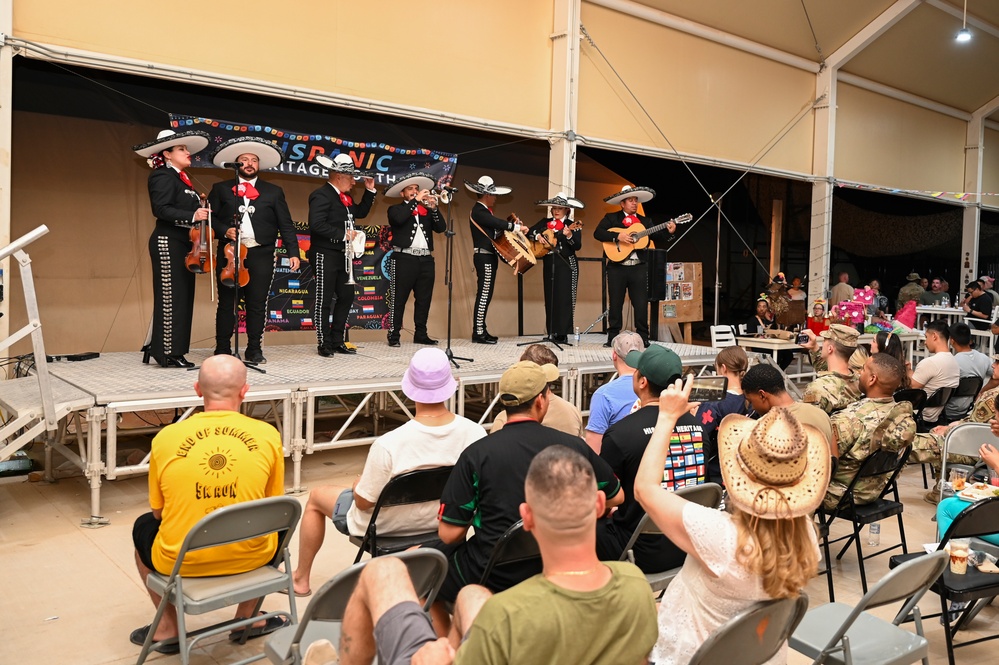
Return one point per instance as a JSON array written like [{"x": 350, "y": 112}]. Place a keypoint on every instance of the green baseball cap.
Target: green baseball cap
[{"x": 657, "y": 364}]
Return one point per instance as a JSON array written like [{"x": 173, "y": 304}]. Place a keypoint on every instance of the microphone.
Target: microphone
[{"x": 232, "y": 165}]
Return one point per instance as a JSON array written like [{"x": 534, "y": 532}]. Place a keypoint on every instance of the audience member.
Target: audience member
[
  {"x": 876, "y": 422},
  {"x": 762, "y": 319},
  {"x": 731, "y": 362},
  {"x": 795, "y": 292},
  {"x": 615, "y": 399},
  {"x": 578, "y": 610},
  {"x": 194, "y": 467},
  {"x": 434, "y": 437},
  {"x": 988, "y": 285},
  {"x": 764, "y": 387},
  {"x": 970, "y": 363},
  {"x": 818, "y": 321},
  {"x": 623, "y": 447},
  {"x": 562, "y": 415},
  {"x": 978, "y": 306},
  {"x": 835, "y": 387},
  {"x": 774, "y": 469},
  {"x": 911, "y": 291},
  {"x": 879, "y": 305},
  {"x": 486, "y": 487},
  {"x": 891, "y": 343},
  {"x": 938, "y": 370},
  {"x": 933, "y": 297},
  {"x": 841, "y": 291},
  {"x": 951, "y": 507}
]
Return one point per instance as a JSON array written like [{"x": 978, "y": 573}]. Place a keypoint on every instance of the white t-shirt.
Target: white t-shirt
[
  {"x": 934, "y": 372},
  {"x": 408, "y": 448},
  {"x": 696, "y": 604}
]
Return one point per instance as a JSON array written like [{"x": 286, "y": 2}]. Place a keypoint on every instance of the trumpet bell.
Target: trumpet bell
[{"x": 443, "y": 196}]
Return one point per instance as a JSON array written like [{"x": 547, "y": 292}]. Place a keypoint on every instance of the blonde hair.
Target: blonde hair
[{"x": 780, "y": 551}]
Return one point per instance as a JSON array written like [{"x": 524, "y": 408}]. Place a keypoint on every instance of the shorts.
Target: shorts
[
  {"x": 143, "y": 534},
  {"x": 400, "y": 633},
  {"x": 340, "y": 508}
]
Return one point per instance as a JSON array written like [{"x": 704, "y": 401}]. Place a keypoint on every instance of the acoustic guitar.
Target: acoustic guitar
[
  {"x": 542, "y": 247},
  {"x": 617, "y": 251}
]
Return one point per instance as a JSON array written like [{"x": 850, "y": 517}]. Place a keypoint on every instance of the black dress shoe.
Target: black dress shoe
[
  {"x": 176, "y": 361},
  {"x": 489, "y": 336},
  {"x": 608, "y": 344},
  {"x": 255, "y": 357},
  {"x": 425, "y": 340},
  {"x": 482, "y": 339},
  {"x": 325, "y": 352},
  {"x": 342, "y": 348},
  {"x": 394, "y": 342}
]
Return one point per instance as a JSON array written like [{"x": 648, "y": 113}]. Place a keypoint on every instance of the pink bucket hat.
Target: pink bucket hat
[{"x": 428, "y": 378}]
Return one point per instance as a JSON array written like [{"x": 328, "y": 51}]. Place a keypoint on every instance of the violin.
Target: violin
[
  {"x": 234, "y": 268},
  {"x": 199, "y": 259}
]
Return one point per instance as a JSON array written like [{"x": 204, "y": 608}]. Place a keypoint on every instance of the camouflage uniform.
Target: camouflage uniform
[
  {"x": 832, "y": 391},
  {"x": 911, "y": 291},
  {"x": 861, "y": 429},
  {"x": 927, "y": 446}
]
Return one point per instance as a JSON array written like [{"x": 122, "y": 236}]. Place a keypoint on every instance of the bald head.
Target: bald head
[{"x": 222, "y": 382}]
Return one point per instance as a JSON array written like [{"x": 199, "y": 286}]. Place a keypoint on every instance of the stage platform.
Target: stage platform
[{"x": 361, "y": 395}]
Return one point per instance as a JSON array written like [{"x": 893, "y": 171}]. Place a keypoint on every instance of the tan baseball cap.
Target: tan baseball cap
[
  {"x": 845, "y": 335},
  {"x": 524, "y": 381}
]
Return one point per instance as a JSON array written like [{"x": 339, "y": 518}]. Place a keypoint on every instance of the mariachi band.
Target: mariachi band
[{"x": 247, "y": 215}]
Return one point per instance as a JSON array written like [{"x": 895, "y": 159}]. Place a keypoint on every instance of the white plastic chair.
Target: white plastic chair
[{"x": 722, "y": 336}]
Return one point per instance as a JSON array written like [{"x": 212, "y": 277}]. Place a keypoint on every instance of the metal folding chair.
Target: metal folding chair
[
  {"x": 754, "y": 635},
  {"x": 514, "y": 546}
]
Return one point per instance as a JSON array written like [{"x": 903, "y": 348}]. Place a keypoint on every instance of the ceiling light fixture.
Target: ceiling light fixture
[{"x": 964, "y": 35}]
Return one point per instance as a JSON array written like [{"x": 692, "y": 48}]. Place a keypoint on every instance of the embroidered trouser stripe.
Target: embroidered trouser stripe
[
  {"x": 485, "y": 268},
  {"x": 320, "y": 313}
]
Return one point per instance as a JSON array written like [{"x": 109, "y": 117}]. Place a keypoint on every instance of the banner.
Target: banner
[{"x": 291, "y": 300}]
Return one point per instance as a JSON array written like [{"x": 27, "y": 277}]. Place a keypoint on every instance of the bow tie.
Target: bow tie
[
  {"x": 346, "y": 200},
  {"x": 246, "y": 190},
  {"x": 185, "y": 179},
  {"x": 629, "y": 220},
  {"x": 419, "y": 211}
]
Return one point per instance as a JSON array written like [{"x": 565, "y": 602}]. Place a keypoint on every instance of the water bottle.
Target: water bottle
[
  {"x": 945, "y": 301},
  {"x": 874, "y": 534},
  {"x": 576, "y": 335}
]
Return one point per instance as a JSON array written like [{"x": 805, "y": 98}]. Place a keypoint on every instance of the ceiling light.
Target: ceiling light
[{"x": 964, "y": 35}]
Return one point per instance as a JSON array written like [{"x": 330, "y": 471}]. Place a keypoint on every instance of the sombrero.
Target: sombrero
[
  {"x": 563, "y": 201},
  {"x": 485, "y": 185},
  {"x": 195, "y": 141},
  {"x": 342, "y": 163},
  {"x": 269, "y": 154},
  {"x": 422, "y": 179},
  {"x": 643, "y": 194},
  {"x": 774, "y": 467}
]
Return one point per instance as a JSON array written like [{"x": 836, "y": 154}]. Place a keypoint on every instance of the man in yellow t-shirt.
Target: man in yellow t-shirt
[{"x": 213, "y": 459}]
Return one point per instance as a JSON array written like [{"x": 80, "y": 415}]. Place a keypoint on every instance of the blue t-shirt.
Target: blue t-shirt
[{"x": 612, "y": 402}]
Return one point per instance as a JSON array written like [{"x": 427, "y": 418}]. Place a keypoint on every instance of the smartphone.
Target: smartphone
[
  {"x": 802, "y": 338},
  {"x": 708, "y": 388}
]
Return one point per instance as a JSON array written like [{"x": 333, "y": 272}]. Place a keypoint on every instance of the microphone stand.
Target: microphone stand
[{"x": 448, "y": 279}]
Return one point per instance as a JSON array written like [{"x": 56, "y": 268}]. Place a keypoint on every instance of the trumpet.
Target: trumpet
[
  {"x": 438, "y": 196},
  {"x": 353, "y": 249}
]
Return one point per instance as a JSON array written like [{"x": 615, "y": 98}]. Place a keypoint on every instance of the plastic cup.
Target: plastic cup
[
  {"x": 957, "y": 479},
  {"x": 959, "y": 548},
  {"x": 993, "y": 478}
]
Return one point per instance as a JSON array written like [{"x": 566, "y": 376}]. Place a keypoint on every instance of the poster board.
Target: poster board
[{"x": 684, "y": 300}]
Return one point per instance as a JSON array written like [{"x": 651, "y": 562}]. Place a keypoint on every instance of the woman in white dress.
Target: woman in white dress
[{"x": 776, "y": 471}]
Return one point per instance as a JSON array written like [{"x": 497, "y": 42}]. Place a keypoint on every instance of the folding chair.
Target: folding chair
[
  {"x": 322, "y": 618},
  {"x": 879, "y": 463},
  {"x": 967, "y": 387},
  {"x": 706, "y": 494},
  {"x": 514, "y": 546},
  {"x": 965, "y": 439},
  {"x": 405, "y": 489},
  {"x": 838, "y": 633},
  {"x": 754, "y": 635},
  {"x": 722, "y": 336},
  {"x": 917, "y": 398},
  {"x": 198, "y": 595},
  {"x": 978, "y": 519},
  {"x": 939, "y": 398}
]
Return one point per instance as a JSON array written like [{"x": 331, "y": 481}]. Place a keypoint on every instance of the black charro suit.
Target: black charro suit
[
  {"x": 485, "y": 259},
  {"x": 327, "y": 225},
  {"x": 410, "y": 273},
  {"x": 174, "y": 204},
  {"x": 561, "y": 278},
  {"x": 269, "y": 219}
]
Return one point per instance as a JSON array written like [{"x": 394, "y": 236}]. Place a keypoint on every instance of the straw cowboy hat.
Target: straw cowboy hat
[
  {"x": 774, "y": 467},
  {"x": 342, "y": 163},
  {"x": 562, "y": 201},
  {"x": 269, "y": 154},
  {"x": 643, "y": 194},
  {"x": 195, "y": 141},
  {"x": 485, "y": 185},
  {"x": 421, "y": 179}
]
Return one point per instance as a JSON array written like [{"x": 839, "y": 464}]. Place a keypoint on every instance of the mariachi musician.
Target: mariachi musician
[
  {"x": 262, "y": 213},
  {"x": 412, "y": 270},
  {"x": 177, "y": 208},
  {"x": 631, "y": 274},
  {"x": 483, "y": 222},
  {"x": 332, "y": 212},
  {"x": 558, "y": 236}
]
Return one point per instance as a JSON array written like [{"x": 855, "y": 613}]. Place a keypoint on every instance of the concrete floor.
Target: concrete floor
[{"x": 72, "y": 595}]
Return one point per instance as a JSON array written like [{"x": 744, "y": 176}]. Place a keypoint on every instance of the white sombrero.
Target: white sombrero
[
  {"x": 420, "y": 178},
  {"x": 485, "y": 185},
  {"x": 774, "y": 467},
  {"x": 195, "y": 141},
  {"x": 562, "y": 201},
  {"x": 342, "y": 163},
  {"x": 269, "y": 154},
  {"x": 643, "y": 194}
]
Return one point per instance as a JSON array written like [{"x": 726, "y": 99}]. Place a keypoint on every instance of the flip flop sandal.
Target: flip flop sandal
[
  {"x": 272, "y": 624},
  {"x": 297, "y": 594},
  {"x": 138, "y": 637}
]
